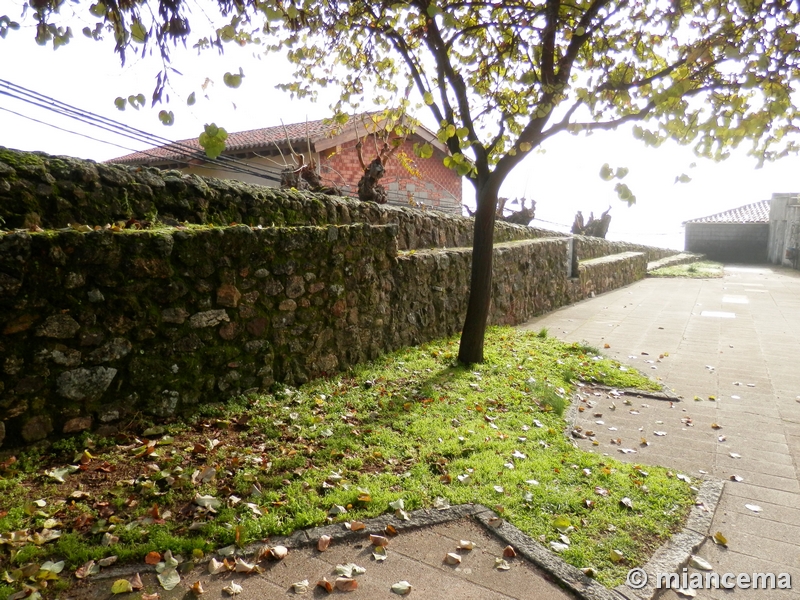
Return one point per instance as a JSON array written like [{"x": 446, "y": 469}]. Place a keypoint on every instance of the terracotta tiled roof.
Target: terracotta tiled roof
[
  {"x": 254, "y": 139},
  {"x": 758, "y": 212}
]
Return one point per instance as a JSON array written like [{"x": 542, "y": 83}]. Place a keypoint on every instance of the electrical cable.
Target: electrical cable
[{"x": 46, "y": 102}]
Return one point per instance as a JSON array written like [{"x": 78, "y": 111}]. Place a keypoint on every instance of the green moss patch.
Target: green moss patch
[
  {"x": 411, "y": 426},
  {"x": 696, "y": 270}
]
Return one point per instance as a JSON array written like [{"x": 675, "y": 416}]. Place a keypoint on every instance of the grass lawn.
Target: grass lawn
[
  {"x": 411, "y": 426},
  {"x": 697, "y": 270}
]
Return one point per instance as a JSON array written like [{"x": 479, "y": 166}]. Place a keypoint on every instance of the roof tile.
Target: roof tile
[{"x": 757, "y": 212}]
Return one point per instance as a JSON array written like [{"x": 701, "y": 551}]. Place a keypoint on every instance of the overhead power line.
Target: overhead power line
[{"x": 186, "y": 152}]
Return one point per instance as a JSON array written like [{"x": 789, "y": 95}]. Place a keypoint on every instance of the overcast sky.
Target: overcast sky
[{"x": 562, "y": 179}]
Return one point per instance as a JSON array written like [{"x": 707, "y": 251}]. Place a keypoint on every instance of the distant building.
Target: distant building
[
  {"x": 784, "y": 230},
  {"x": 332, "y": 147},
  {"x": 736, "y": 235}
]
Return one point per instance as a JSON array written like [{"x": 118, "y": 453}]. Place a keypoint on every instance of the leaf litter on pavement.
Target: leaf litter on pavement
[{"x": 410, "y": 430}]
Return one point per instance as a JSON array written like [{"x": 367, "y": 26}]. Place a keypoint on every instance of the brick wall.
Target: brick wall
[{"x": 439, "y": 187}]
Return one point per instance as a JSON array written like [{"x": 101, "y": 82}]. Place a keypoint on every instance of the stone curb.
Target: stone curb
[
  {"x": 675, "y": 554},
  {"x": 670, "y": 558}
]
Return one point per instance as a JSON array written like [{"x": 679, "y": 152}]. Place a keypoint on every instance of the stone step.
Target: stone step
[{"x": 683, "y": 258}]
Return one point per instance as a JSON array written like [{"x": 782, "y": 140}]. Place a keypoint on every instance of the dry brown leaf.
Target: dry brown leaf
[
  {"x": 136, "y": 582},
  {"x": 325, "y": 585},
  {"x": 150, "y": 596},
  {"x": 509, "y": 552},
  {"x": 356, "y": 526},
  {"x": 323, "y": 543},
  {"x": 197, "y": 588},
  {"x": 390, "y": 530},
  {"x": 152, "y": 558},
  {"x": 346, "y": 584},
  {"x": 378, "y": 540},
  {"x": 279, "y": 552}
]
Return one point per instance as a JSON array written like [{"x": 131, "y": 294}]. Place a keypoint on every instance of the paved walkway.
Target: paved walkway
[{"x": 736, "y": 339}]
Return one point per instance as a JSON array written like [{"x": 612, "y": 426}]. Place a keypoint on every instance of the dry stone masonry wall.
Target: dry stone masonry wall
[{"x": 98, "y": 325}]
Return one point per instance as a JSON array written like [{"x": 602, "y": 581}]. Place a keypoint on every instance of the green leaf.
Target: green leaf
[
  {"x": 625, "y": 194},
  {"x": 120, "y": 103},
  {"x": 213, "y": 140},
  {"x": 424, "y": 150},
  {"x": 231, "y": 80},
  {"x": 525, "y": 146},
  {"x": 683, "y": 178},
  {"x": 621, "y": 172},
  {"x": 138, "y": 32},
  {"x": 428, "y": 98},
  {"x": 121, "y": 586},
  {"x": 190, "y": 100},
  {"x": 606, "y": 173},
  {"x": 98, "y": 9},
  {"x": 166, "y": 117}
]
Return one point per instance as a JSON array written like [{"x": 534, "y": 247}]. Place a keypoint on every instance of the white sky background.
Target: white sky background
[{"x": 562, "y": 180}]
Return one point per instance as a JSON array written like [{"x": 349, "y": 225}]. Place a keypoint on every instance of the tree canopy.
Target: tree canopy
[{"x": 500, "y": 78}]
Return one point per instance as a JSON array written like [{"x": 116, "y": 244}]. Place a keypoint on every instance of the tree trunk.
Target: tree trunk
[{"x": 480, "y": 288}]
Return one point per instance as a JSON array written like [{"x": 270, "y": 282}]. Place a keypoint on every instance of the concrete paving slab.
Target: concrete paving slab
[{"x": 759, "y": 347}]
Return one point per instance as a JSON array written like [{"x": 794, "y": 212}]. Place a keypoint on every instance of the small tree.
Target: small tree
[{"x": 501, "y": 77}]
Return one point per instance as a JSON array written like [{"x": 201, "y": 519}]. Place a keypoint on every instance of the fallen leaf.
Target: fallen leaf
[
  {"x": 616, "y": 556},
  {"x": 701, "y": 563},
  {"x": 121, "y": 586},
  {"x": 345, "y": 584},
  {"x": 215, "y": 566},
  {"x": 325, "y": 584},
  {"x": 59, "y": 474},
  {"x": 688, "y": 592},
  {"x": 379, "y": 553},
  {"x": 390, "y": 530},
  {"x": 88, "y": 568},
  {"x": 734, "y": 455},
  {"x": 754, "y": 507},
  {"x": 716, "y": 426},
  {"x": 232, "y": 589},
  {"x": 558, "y": 546},
  {"x": 451, "y": 558},
  {"x": 737, "y": 478},
  {"x": 401, "y": 587},
  {"x": 466, "y": 545},
  {"x": 323, "y": 543},
  {"x": 626, "y": 502},
  {"x": 355, "y": 526},
  {"x": 349, "y": 570},
  {"x": 509, "y": 552},
  {"x": 300, "y": 587},
  {"x": 152, "y": 558},
  {"x": 169, "y": 579},
  {"x": 136, "y": 582},
  {"x": 378, "y": 540},
  {"x": 501, "y": 564},
  {"x": 719, "y": 539},
  {"x": 242, "y": 566},
  {"x": 197, "y": 588},
  {"x": 279, "y": 552},
  {"x": 150, "y": 596}
]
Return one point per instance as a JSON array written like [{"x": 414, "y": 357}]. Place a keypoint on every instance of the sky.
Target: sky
[{"x": 563, "y": 177}]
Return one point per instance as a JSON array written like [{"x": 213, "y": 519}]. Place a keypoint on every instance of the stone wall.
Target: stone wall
[
  {"x": 587, "y": 248},
  {"x": 608, "y": 273},
  {"x": 51, "y": 192},
  {"x": 729, "y": 242},
  {"x": 98, "y": 324}
]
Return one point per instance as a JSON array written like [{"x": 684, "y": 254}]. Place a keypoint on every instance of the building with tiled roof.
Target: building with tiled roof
[
  {"x": 736, "y": 235},
  {"x": 259, "y": 155},
  {"x": 757, "y": 212}
]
